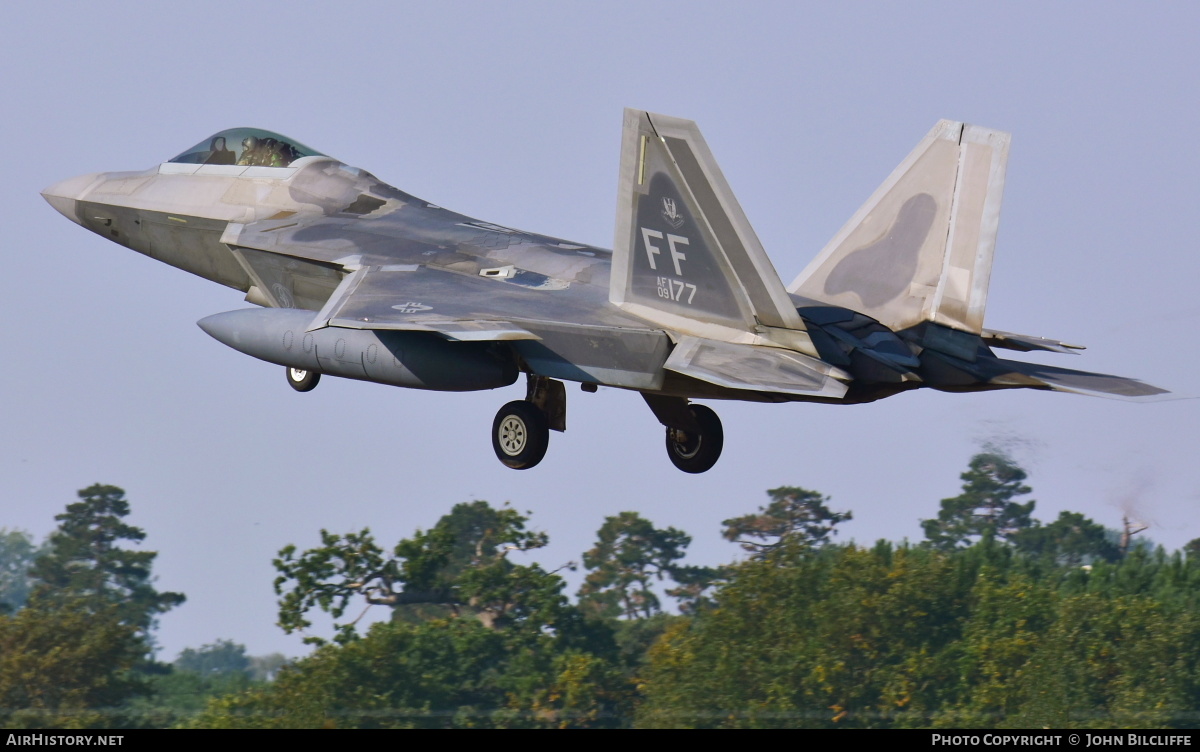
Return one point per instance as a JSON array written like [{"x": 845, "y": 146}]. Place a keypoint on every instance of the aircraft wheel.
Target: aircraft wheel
[
  {"x": 697, "y": 453},
  {"x": 302, "y": 380},
  {"x": 520, "y": 435}
]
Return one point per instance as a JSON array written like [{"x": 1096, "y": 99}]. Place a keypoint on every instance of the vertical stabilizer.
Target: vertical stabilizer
[
  {"x": 685, "y": 256},
  {"x": 920, "y": 248}
]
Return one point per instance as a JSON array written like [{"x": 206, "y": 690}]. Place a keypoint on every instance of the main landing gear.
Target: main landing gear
[
  {"x": 698, "y": 449},
  {"x": 521, "y": 430},
  {"x": 694, "y": 434},
  {"x": 520, "y": 435}
]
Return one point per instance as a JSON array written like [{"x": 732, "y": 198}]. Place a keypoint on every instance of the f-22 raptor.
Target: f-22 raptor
[{"x": 355, "y": 278}]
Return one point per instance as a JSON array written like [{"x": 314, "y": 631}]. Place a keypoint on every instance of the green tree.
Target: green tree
[
  {"x": 267, "y": 667},
  {"x": 458, "y": 567},
  {"x": 75, "y": 655},
  {"x": 178, "y": 692},
  {"x": 223, "y": 657},
  {"x": 85, "y": 565},
  {"x": 492, "y": 644},
  {"x": 1123, "y": 662},
  {"x": 794, "y": 515},
  {"x": 439, "y": 673},
  {"x": 976, "y": 637},
  {"x": 985, "y": 508},
  {"x": 629, "y": 556},
  {"x": 17, "y": 554},
  {"x": 1071, "y": 540},
  {"x": 838, "y": 636},
  {"x": 1009, "y": 614},
  {"x": 67, "y": 664},
  {"x": 693, "y": 585}
]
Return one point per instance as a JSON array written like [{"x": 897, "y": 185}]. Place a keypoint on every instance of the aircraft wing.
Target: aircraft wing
[
  {"x": 416, "y": 298},
  {"x": 410, "y": 297},
  {"x": 421, "y": 268},
  {"x": 560, "y": 332}
]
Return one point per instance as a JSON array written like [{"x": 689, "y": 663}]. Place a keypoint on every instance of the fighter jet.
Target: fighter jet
[{"x": 357, "y": 279}]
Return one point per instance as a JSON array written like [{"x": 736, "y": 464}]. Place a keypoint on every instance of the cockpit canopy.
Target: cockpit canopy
[{"x": 246, "y": 146}]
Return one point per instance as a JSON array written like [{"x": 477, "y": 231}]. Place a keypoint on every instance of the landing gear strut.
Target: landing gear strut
[{"x": 302, "y": 380}]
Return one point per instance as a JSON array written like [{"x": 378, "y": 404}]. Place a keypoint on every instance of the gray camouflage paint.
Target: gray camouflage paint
[{"x": 688, "y": 305}]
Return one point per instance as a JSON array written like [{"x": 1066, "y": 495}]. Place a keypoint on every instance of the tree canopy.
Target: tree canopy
[
  {"x": 997, "y": 620},
  {"x": 86, "y": 565},
  {"x": 69, "y": 658},
  {"x": 630, "y": 555},
  {"x": 986, "y": 506},
  {"x": 491, "y": 643},
  {"x": 1072, "y": 539},
  {"x": 976, "y": 637},
  {"x": 17, "y": 554},
  {"x": 223, "y": 657},
  {"x": 459, "y": 567},
  {"x": 794, "y": 516}
]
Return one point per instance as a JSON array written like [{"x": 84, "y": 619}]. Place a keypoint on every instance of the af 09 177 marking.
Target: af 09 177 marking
[{"x": 672, "y": 289}]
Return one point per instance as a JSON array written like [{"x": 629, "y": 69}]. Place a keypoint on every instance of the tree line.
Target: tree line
[{"x": 996, "y": 619}]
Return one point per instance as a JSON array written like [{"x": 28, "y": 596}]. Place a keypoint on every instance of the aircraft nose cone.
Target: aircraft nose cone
[{"x": 64, "y": 195}]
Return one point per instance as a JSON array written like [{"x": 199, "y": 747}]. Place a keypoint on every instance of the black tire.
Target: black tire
[
  {"x": 302, "y": 380},
  {"x": 696, "y": 454},
  {"x": 520, "y": 435}
]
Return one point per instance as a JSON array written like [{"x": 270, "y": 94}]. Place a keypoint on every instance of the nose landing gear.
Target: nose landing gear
[{"x": 302, "y": 380}]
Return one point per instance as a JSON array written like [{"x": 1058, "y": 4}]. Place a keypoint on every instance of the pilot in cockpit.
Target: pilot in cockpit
[
  {"x": 259, "y": 148},
  {"x": 250, "y": 149}
]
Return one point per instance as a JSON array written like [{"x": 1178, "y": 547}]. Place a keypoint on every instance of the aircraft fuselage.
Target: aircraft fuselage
[{"x": 358, "y": 279}]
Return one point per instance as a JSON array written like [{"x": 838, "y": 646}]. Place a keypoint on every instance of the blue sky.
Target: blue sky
[{"x": 511, "y": 113}]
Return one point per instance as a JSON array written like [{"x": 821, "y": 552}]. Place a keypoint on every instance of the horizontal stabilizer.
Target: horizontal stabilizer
[
  {"x": 756, "y": 368},
  {"x": 1092, "y": 384},
  {"x": 1027, "y": 342}
]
